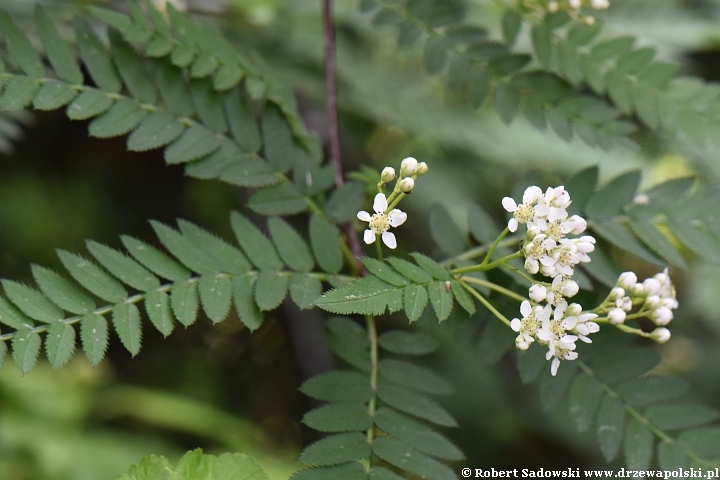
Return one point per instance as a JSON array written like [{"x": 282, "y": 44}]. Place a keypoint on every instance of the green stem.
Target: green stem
[
  {"x": 487, "y": 266},
  {"x": 519, "y": 272},
  {"x": 378, "y": 248},
  {"x": 487, "y": 304},
  {"x": 477, "y": 251},
  {"x": 372, "y": 404},
  {"x": 494, "y": 246},
  {"x": 394, "y": 202},
  {"x": 639, "y": 417},
  {"x": 492, "y": 286}
]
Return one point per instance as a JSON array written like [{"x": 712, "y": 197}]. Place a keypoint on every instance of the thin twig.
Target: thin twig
[{"x": 333, "y": 126}]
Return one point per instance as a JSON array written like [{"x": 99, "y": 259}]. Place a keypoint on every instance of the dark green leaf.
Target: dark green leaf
[
  {"x": 702, "y": 441},
  {"x": 531, "y": 363},
  {"x": 441, "y": 299},
  {"x": 584, "y": 398},
  {"x": 192, "y": 256},
  {"x": 415, "y": 404},
  {"x": 92, "y": 277},
  {"x": 339, "y": 417},
  {"x": 616, "y": 233},
  {"x": 648, "y": 390},
  {"x": 243, "y": 125},
  {"x": 431, "y": 266},
  {"x": 542, "y": 42},
  {"x": 384, "y": 271},
  {"x": 625, "y": 364},
  {"x": 156, "y": 130},
  {"x": 416, "y": 434},
  {"x": 435, "y": 54},
  {"x": 216, "y": 296},
  {"x": 409, "y": 375},
  {"x": 482, "y": 227},
  {"x": 345, "y": 202},
  {"x": 415, "y": 299},
  {"x": 154, "y": 259},
  {"x": 131, "y": 69},
  {"x": 126, "y": 319},
  {"x": 258, "y": 248},
  {"x": 559, "y": 122},
  {"x": 458, "y": 71},
  {"x": 96, "y": 58},
  {"x": 478, "y": 85},
  {"x": 325, "y": 243},
  {"x": 336, "y": 449},
  {"x": 445, "y": 231},
  {"x": 553, "y": 389},
  {"x": 511, "y": 23},
  {"x": 672, "y": 456},
  {"x": 281, "y": 199},
  {"x": 31, "y": 302},
  {"x": 157, "y": 305},
  {"x": 123, "y": 267},
  {"x": 250, "y": 171},
  {"x": 495, "y": 340},
  {"x": 196, "y": 142},
  {"x": 410, "y": 270},
  {"x": 409, "y": 459},
  {"x": 506, "y": 102},
  {"x": 270, "y": 289},
  {"x": 245, "y": 303},
  {"x": 208, "y": 104},
  {"x": 18, "y": 93},
  {"x": 25, "y": 347},
  {"x": 94, "y": 336},
  {"x": 507, "y": 64},
  {"x": 409, "y": 33},
  {"x": 676, "y": 417},
  {"x": 227, "y": 76},
  {"x": 463, "y": 297},
  {"x": 580, "y": 187},
  {"x": 657, "y": 241},
  {"x": 386, "y": 16},
  {"x": 59, "y": 53},
  {"x": 367, "y": 296},
  {"x": 63, "y": 293},
  {"x": 59, "y": 343},
  {"x": 228, "y": 257},
  {"x": 173, "y": 88},
  {"x": 21, "y": 49},
  {"x": 338, "y": 386},
  {"x": 638, "y": 446},
  {"x": 122, "y": 117},
  {"x": 290, "y": 245},
  {"x": 304, "y": 289},
  {"x": 88, "y": 104},
  {"x": 184, "y": 301},
  {"x": 408, "y": 343},
  {"x": 54, "y": 94},
  {"x": 277, "y": 139}
]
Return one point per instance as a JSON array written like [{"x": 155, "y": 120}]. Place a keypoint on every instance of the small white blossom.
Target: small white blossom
[
  {"x": 524, "y": 212},
  {"x": 601, "y": 5},
  {"x": 422, "y": 168},
  {"x": 406, "y": 185},
  {"x": 408, "y": 167},
  {"x": 575, "y": 4},
  {"x": 661, "y": 316},
  {"x": 579, "y": 224},
  {"x": 660, "y": 335},
  {"x": 538, "y": 293},
  {"x": 617, "y": 316},
  {"x": 527, "y": 327},
  {"x": 387, "y": 175},
  {"x": 552, "y": 6},
  {"x": 617, "y": 292},
  {"x": 652, "y": 286},
  {"x": 381, "y": 222},
  {"x": 627, "y": 280},
  {"x": 638, "y": 290}
]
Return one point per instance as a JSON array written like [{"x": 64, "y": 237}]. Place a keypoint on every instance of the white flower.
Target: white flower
[
  {"x": 381, "y": 222},
  {"x": 538, "y": 292},
  {"x": 652, "y": 286},
  {"x": 638, "y": 290},
  {"x": 527, "y": 327},
  {"x": 660, "y": 335},
  {"x": 627, "y": 280},
  {"x": 552, "y": 6},
  {"x": 524, "y": 212},
  {"x": 602, "y": 5},
  {"x": 579, "y": 224},
  {"x": 408, "y": 167},
  {"x": 661, "y": 316},
  {"x": 617, "y": 316},
  {"x": 617, "y": 292},
  {"x": 575, "y": 4},
  {"x": 387, "y": 175}
]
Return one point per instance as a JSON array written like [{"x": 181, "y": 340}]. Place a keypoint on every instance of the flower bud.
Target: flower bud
[
  {"x": 661, "y": 316},
  {"x": 406, "y": 185},
  {"x": 569, "y": 288},
  {"x": 589, "y": 21},
  {"x": 627, "y": 280},
  {"x": 652, "y": 301},
  {"x": 652, "y": 286},
  {"x": 600, "y": 4},
  {"x": 638, "y": 290},
  {"x": 660, "y": 335},
  {"x": 387, "y": 175},
  {"x": 408, "y": 167},
  {"x": 552, "y": 6},
  {"x": 422, "y": 168},
  {"x": 579, "y": 224},
  {"x": 617, "y": 292},
  {"x": 538, "y": 293},
  {"x": 573, "y": 310},
  {"x": 575, "y": 4},
  {"x": 616, "y": 316}
]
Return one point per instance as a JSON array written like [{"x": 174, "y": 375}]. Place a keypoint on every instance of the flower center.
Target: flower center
[
  {"x": 554, "y": 231},
  {"x": 530, "y": 325},
  {"x": 524, "y": 213},
  {"x": 379, "y": 223}
]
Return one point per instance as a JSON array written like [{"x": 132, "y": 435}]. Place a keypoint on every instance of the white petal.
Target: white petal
[
  {"x": 541, "y": 210},
  {"x": 554, "y": 366},
  {"x": 544, "y": 334},
  {"x": 512, "y": 224},
  {"x": 369, "y": 236},
  {"x": 525, "y": 308},
  {"x": 380, "y": 203},
  {"x": 389, "y": 240},
  {"x": 547, "y": 261},
  {"x": 531, "y": 194},
  {"x": 396, "y": 217},
  {"x": 509, "y": 204},
  {"x": 364, "y": 216},
  {"x": 515, "y": 324}
]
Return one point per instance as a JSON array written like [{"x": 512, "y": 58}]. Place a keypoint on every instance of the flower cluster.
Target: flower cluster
[
  {"x": 572, "y": 7},
  {"x": 548, "y": 251},
  {"x": 655, "y": 298},
  {"x": 386, "y": 215}
]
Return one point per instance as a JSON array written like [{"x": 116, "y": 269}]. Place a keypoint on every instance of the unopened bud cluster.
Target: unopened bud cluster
[
  {"x": 548, "y": 251},
  {"x": 571, "y": 7},
  {"x": 386, "y": 215}
]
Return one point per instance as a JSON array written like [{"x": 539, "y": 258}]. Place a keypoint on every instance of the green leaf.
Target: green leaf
[
  {"x": 227, "y": 256},
  {"x": 336, "y": 449},
  {"x": 415, "y": 299},
  {"x": 435, "y": 54},
  {"x": 58, "y": 52},
  {"x": 507, "y": 64},
  {"x": 12, "y": 317},
  {"x": 506, "y": 102},
  {"x": 213, "y": 165},
  {"x": 182, "y": 56},
  {"x": 258, "y": 248},
  {"x": 53, "y": 94},
  {"x": 657, "y": 241},
  {"x": 603, "y": 268},
  {"x": 408, "y": 343},
  {"x": 542, "y": 42},
  {"x": 431, "y": 266},
  {"x": 353, "y": 335},
  {"x": 511, "y": 23},
  {"x": 304, "y": 289},
  {"x": 386, "y": 16},
  {"x": 96, "y": 58},
  {"x": 662, "y": 196},
  {"x": 625, "y": 364},
  {"x": 345, "y": 202},
  {"x": 281, "y": 199},
  {"x": 3, "y": 353},
  {"x": 123, "y": 267},
  {"x": 156, "y": 130},
  {"x": 495, "y": 340},
  {"x": 325, "y": 243},
  {"x": 195, "y": 142},
  {"x": 441, "y": 299},
  {"x": 243, "y": 125},
  {"x": 25, "y": 348},
  {"x": 31, "y": 302},
  {"x": 348, "y": 471},
  {"x": 553, "y": 389},
  {"x": 702, "y": 441},
  {"x": 159, "y": 47},
  {"x": 700, "y": 242},
  {"x": 131, "y": 69},
  {"x": 443, "y": 15},
  {"x": 401, "y": 455},
  {"x": 354, "y": 356},
  {"x": 560, "y": 124},
  {"x": 18, "y": 93},
  {"x": 617, "y": 234},
  {"x": 277, "y": 139},
  {"x": 226, "y": 77},
  {"x": 339, "y": 417},
  {"x": 619, "y": 90},
  {"x": 648, "y": 390},
  {"x": 411, "y": 376},
  {"x": 408, "y": 34},
  {"x": 658, "y": 75},
  {"x": 251, "y": 171},
  {"x": 416, "y": 434},
  {"x": 184, "y": 301},
  {"x": 290, "y": 245},
  {"x": 204, "y": 65},
  {"x": 21, "y": 49},
  {"x": 208, "y": 104},
  {"x": 88, "y": 104},
  {"x": 154, "y": 259},
  {"x": 530, "y": 363},
  {"x": 610, "y": 426},
  {"x": 338, "y": 386},
  {"x": 270, "y": 289},
  {"x": 410, "y": 270},
  {"x": 173, "y": 89},
  {"x": 584, "y": 398},
  {"x": 61, "y": 292},
  {"x": 122, "y": 117},
  {"x": 245, "y": 303},
  {"x": 580, "y": 187},
  {"x": 478, "y": 85},
  {"x": 610, "y": 199},
  {"x": 94, "y": 336},
  {"x": 157, "y": 305},
  {"x": 115, "y": 19},
  {"x": 672, "y": 456},
  {"x": 92, "y": 277},
  {"x": 126, "y": 319},
  {"x": 383, "y": 271},
  {"x": 463, "y": 297},
  {"x": 415, "y": 404},
  {"x": 638, "y": 446},
  {"x": 533, "y": 111},
  {"x": 367, "y": 296},
  {"x": 677, "y": 417},
  {"x": 445, "y": 231},
  {"x": 458, "y": 71},
  {"x": 59, "y": 343},
  {"x": 216, "y": 296},
  {"x": 482, "y": 225}
]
